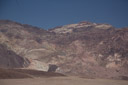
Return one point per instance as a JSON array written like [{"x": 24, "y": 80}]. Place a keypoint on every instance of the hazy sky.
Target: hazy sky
[{"x": 51, "y": 13}]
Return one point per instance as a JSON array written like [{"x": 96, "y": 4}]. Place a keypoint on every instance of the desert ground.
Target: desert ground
[
  {"x": 61, "y": 81},
  {"x": 33, "y": 77}
]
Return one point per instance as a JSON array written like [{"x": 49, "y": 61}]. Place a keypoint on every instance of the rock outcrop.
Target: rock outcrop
[{"x": 9, "y": 59}]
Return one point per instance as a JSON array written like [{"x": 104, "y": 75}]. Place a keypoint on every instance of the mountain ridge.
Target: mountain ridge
[{"x": 83, "y": 49}]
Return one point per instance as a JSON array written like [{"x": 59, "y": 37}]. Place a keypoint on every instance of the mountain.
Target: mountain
[{"x": 84, "y": 49}]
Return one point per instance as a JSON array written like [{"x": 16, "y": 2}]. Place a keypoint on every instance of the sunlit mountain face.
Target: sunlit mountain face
[{"x": 85, "y": 49}]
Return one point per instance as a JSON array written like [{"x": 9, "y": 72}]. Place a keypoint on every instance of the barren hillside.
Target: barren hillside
[{"x": 84, "y": 49}]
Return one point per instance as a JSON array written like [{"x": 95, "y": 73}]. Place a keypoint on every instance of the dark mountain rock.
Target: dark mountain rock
[{"x": 9, "y": 59}]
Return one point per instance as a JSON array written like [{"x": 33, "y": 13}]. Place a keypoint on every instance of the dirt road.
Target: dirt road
[{"x": 62, "y": 81}]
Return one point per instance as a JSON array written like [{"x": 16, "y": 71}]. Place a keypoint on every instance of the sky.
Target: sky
[{"x": 51, "y": 13}]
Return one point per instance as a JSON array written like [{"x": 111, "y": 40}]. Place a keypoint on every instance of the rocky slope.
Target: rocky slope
[
  {"x": 9, "y": 59},
  {"x": 83, "y": 49}
]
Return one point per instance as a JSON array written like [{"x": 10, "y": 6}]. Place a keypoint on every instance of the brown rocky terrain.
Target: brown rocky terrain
[{"x": 84, "y": 49}]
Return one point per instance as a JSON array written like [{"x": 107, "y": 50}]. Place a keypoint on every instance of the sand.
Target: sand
[{"x": 62, "y": 81}]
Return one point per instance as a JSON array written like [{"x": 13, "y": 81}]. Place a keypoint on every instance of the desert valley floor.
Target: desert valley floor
[{"x": 62, "y": 81}]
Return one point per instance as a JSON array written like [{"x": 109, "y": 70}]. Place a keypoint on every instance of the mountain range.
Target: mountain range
[{"x": 84, "y": 49}]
